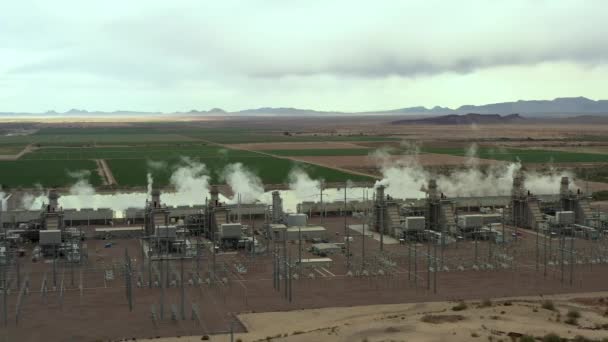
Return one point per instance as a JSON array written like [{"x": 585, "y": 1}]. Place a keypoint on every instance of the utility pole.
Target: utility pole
[
  {"x": 365, "y": 217},
  {"x": 346, "y": 231},
  {"x": 299, "y": 247},
  {"x": 128, "y": 279},
  {"x": 381, "y": 230},
  {"x": 181, "y": 284},
  {"x": 571, "y": 261},
  {"x": 322, "y": 210}
]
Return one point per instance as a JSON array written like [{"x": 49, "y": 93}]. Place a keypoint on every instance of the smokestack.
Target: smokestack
[
  {"x": 380, "y": 193},
  {"x": 432, "y": 190},
  {"x": 155, "y": 198},
  {"x": 518, "y": 184},
  {"x": 53, "y": 200},
  {"x": 277, "y": 207},
  {"x": 215, "y": 196},
  {"x": 564, "y": 188}
]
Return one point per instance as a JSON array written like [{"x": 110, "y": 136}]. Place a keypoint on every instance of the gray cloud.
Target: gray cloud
[{"x": 235, "y": 46}]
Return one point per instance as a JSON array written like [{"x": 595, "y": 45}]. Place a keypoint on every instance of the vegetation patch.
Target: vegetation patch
[{"x": 437, "y": 319}]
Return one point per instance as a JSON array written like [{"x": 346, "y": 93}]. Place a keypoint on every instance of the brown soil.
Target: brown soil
[{"x": 294, "y": 146}]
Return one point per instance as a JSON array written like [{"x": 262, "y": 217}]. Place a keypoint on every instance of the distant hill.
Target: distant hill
[
  {"x": 537, "y": 108},
  {"x": 284, "y": 111},
  {"x": 559, "y": 107},
  {"x": 466, "y": 119}
]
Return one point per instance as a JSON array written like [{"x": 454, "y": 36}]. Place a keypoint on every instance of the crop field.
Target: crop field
[
  {"x": 86, "y": 139},
  {"x": 135, "y": 152},
  {"x": 146, "y": 134},
  {"x": 239, "y": 136},
  {"x": 132, "y": 172},
  {"x": 525, "y": 156},
  {"x": 132, "y": 151},
  {"x": 27, "y": 173},
  {"x": 129, "y": 165}
]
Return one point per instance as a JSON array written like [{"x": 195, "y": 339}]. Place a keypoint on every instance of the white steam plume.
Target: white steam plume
[
  {"x": 304, "y": 188},
  {"x": 243, "y": 182},
  {"x": 405, "y": 177},
  {"x": 2, "y": 200},
  {"x": 156, "y": 164},
  {"x": 150, "y": 180},
  {"x": 191, "y": 182}
]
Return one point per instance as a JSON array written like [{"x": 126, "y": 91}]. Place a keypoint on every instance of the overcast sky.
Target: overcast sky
[{"x": 320, "y": 54}]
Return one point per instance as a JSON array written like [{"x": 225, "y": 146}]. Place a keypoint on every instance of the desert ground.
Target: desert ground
[{"x": 496, "y": 319}]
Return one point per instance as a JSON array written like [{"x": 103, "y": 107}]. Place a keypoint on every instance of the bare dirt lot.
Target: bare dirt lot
[
  {"x": 294, "y": 146},
  {"x": 432, "y": 321}
]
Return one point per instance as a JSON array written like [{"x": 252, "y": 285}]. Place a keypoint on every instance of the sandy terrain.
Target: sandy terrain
[
  {"x": 434, "y": 321},
  {"x": 294, "y": 146}
]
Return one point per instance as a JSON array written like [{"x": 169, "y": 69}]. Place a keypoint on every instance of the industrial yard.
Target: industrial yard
[{"x": 121, "y": 262}]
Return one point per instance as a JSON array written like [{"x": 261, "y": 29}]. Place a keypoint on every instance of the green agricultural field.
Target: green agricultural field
[
  {"x": 247, "y": 135},
  {"x": 132, "y": 172},
  {"x": 27, "y": 173},
  {"x": 322, "y": 152},
  {"x": 525, "y": 156},
  {"x": 135, "y": 152},
  {"x": 94, "y": 139},
  {"x": 168, "y": 133}
]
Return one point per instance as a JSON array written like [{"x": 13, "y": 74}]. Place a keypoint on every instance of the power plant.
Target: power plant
[{"x": 160, "y": 257}]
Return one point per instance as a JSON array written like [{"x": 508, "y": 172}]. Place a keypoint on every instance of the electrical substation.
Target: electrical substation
[{"x": 158, "y": 270}]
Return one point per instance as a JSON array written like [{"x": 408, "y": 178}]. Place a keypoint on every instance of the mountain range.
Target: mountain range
[
  {"x": 560, "y": 107},
  {"x": 463, "y": 119}
]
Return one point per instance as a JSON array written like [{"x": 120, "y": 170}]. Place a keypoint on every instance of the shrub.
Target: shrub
[
  {"x": 527, "y": 338},
  {"x": 485, "y": 303},
  {"x": 579, "y": 338},
  {"x": 460, "y": 306},
  {"x": 552, "y": 338},
  {"x": 574, "y": 314},
  {"x": 548, "y": 305},
  {"x": 571, "y": 321}
]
